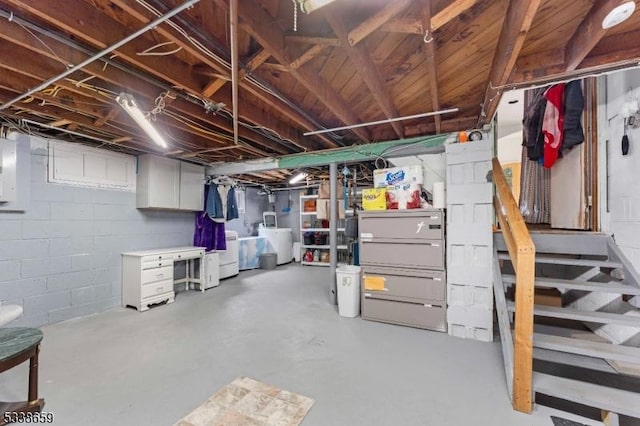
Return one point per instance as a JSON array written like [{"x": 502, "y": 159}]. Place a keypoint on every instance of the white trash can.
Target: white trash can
[{"x": 348, "y": 283}]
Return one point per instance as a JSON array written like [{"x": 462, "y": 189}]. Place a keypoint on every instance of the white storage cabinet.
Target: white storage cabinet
[{"x": 165, "y": 183}]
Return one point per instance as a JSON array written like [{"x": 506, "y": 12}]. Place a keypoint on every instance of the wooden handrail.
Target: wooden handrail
[{"x": 522, "y": 253}]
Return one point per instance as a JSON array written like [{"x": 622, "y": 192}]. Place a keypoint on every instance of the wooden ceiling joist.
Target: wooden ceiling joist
[
  {"x": 588, "y": 33},
  {"x": 257, "y": 22},
  {"x": 515, "y": 27},
  {"x": 429, "y": 48},
  {"x": 325, "y": 41},
  {"x": 403, "y": 26},
  {"x": 368, "y": 70},
  {"x": 113, "y": 113},
  {"x": 361, "y": 31},
  {"x": 452, "y": 125},
  {"x": 279, "y": 105}
]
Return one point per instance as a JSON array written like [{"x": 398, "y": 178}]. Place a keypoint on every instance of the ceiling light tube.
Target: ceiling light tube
[
  {"x": 308, "y": 6},
  {"x": 128, "y": 103},
  {"x": 389, "y": 120},
  {"x": 297, "y": 178}
]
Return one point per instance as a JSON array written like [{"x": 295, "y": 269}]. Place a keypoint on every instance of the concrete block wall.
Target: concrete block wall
[
  {"x": 469, "y": 240},
  {"x": 60, "y": 258},
  {"x": 622, "y": 171}
]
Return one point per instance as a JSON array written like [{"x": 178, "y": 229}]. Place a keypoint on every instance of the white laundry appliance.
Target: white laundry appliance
[
  {"x": 229, "y": 258},
  {"x": 280, "y": 241},
  {"x": 211, "y": 269}
]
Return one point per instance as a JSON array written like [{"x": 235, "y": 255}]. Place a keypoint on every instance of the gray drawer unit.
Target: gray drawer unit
[
  {"x": 404, "y": 250},
  {"x": 406, "y": 225},
  {"x": 407, "y": 286},
  {"x": 428, "y": 255},
  {"x": 410, "y": 314}
]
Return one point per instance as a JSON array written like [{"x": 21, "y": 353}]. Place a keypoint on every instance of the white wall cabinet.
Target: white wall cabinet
[
  {"x": 164, "y": 183},
  {"x": 191, "y": 186}
]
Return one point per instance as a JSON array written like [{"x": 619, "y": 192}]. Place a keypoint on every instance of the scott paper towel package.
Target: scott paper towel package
[{"x": 397, "y": 176}]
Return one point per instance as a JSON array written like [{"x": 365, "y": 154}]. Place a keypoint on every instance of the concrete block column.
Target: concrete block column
[{"x": 469, "y": 240}]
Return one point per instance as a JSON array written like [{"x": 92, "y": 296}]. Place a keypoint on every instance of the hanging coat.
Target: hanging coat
[
  {"x": 213, "y": 203},
  {"x": 232, "y": 205},
  {"x": 573, "y": 107},
  {"x": 553, "y": 124},
  {"x": 532, "y": 123}
]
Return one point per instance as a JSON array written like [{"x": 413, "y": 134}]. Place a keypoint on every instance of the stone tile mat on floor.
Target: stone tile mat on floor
[{"x": 248, "y": 402}]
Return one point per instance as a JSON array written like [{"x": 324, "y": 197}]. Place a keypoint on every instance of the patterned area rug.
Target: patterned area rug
[{"x": 248, "y": 402}]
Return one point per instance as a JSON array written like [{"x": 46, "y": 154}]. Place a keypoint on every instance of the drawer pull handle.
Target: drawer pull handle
[
  {"x": 160, "y": 264},
  {"x": 159, "y": 275},
  {"x": 159, "y": 289}
]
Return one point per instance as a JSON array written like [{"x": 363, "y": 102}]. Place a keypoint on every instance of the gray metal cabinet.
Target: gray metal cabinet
[{"x": 402, "y": 258}]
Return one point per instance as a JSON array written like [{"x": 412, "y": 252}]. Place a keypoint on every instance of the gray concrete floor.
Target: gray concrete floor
[{"x": 128, "y": 368}]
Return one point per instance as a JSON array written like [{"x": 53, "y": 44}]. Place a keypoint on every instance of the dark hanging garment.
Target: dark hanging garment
[
  {"x": 208, "y": 233},
  {"x": 213, "y": 203},
  {"x": 533, "y": 137},
  {"x": 573, "y": 107},
  {"x": 232, "y": 205}
]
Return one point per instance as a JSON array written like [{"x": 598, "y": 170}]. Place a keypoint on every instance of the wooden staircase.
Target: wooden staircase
[
  {"x": 566, "y": 336},
  {"x": 585, "y": 335}
]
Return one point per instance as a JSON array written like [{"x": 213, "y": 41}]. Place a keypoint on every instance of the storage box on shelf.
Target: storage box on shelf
[
  {"x": 402, "y": 259},
  {"x": 314, "y": 237}
]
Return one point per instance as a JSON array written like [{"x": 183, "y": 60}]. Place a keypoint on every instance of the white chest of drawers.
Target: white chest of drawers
[{"x": 147, "y": 276}]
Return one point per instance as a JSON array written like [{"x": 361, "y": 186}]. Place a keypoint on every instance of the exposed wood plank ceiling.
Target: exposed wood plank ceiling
[{"x": 350, "y": 62}]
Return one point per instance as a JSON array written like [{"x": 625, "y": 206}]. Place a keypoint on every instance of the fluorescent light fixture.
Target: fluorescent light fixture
[
  {"x": 308, "y": 6},
  {"x": 297, "y": 178},
  {"x": 128, "y": 103},
  {"x": 618, "y": 15}
]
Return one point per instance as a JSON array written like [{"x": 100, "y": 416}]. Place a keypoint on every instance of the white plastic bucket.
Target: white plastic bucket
[{"x": 348, "y": 283}]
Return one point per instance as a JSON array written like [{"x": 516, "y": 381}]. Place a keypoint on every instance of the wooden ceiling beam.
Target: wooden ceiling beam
[
  {"x": 515, "y": 27},
  {"x": 257, "y": 22},
  {"x": 452, "y": 125},
  {"x": 310, "y": 39},
  {"x": 429, "y": 49},
  {"x": 588, "y": 33},
  {"x": 544, "y": 58},
  {"x": 403, "y": 26},
  {"x": 308, "y": 55},
  {"x": 450, "y": 12},
  {"x": 367, "y": 69},
  {"x": 361, "y": 31},
  {"x": 59, "y": 123},
  {"x": 36, "y": 72},
  {"x": 101, "y": 31},
  {"x": 113, "y": 113},
  {"x": 254, "y": 62},
  {"x": 279, "y": 105}
]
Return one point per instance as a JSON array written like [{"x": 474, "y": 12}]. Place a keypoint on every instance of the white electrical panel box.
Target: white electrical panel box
[{"x": 8, "y": 155}]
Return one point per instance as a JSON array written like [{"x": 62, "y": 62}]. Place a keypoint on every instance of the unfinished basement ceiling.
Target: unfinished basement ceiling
[{"x": 350, "y": 62}]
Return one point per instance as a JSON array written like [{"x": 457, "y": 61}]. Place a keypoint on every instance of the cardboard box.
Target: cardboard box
[
  {"x": 374, "y": 199},
  {"x": 398, "y": 175}
]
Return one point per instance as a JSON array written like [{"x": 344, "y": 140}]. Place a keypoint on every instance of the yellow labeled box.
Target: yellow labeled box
[{"x": 374, "y": 199}]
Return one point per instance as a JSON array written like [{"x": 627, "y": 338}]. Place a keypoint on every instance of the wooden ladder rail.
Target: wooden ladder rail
[{"x": 522, "y": 253}]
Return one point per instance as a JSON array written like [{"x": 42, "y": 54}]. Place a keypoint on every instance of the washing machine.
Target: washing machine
[
  {"x": 280, "y": 241},
  {"x": 229, "y": 258}
]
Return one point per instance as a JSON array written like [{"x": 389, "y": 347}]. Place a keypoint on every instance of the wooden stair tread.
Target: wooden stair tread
[
  {"x": 610, "y": 287},
  {"x": 588, "y": 316},
  {"x": 569, "y": 261},
  {"x": 610, "y": 399},
  {"x": 586, "y": 347}
]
